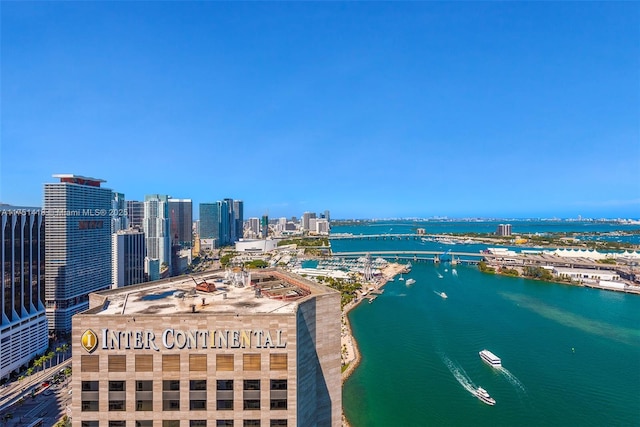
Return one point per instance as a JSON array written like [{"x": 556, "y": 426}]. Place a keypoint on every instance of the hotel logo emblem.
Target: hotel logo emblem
[{"x": 89, "y": 340}]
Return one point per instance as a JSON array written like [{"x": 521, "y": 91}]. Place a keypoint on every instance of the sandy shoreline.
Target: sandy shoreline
[{"x": 350, "y": 353}]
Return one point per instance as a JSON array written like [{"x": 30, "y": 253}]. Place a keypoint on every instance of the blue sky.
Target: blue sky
[{"x": 368, "y": 109}]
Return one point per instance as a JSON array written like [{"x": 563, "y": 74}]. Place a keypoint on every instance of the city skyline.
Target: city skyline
[{"x": 370, "y": 110}]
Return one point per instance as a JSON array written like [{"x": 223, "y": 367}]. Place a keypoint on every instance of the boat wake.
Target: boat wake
[
  {"x": 454, "y": 272},
  {"x": 512, "y": 379},
  {"x": 460, "y": 375},
  {"x": 440, "y": 276}
]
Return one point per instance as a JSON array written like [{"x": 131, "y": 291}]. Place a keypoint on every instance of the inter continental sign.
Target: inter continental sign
[{"x": 180, "y": 339}]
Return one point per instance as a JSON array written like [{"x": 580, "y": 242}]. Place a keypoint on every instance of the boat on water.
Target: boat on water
[
  {"x": 443, "y": 295},
  {"x": 484, "y": 396},
  {"x": 410, "y": 281},
  {"x": 490, "y": 358},
  {"x": 401, "y": 278}
]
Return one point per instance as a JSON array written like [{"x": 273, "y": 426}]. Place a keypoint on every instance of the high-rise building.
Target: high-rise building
[
  {"x": 253, "y": 355},
  {"x": 78, "y": 249},
  {"x": 221, "y": 222},
  {"x": 264, "y": 226},
  {"x": 157, "y": 229},
  {"x": 327, "y": 215},
  {"x": 210, "y": 222},
  {"x": 23, "y": 321},
  {"x": 129, "y": 251},
  {"x": 118, "y": 213},
  {"x": 254, "y": 226},
  {"x": 181, "y": 214},
  {"x": 504, "y": 230},
  {"x": 238, "y": 219},
  {"x": 306, "y": 220},
  {"x": 135, "y": 213}
]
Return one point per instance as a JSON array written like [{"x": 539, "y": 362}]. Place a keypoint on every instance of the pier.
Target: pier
[{"x": 417, "y": 256}]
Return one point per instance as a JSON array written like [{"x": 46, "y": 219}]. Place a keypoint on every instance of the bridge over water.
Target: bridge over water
[{"x": 434, "y": 256}]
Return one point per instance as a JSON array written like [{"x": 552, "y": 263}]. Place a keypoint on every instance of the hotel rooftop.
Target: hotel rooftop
[{"x": 217, "y": 292}]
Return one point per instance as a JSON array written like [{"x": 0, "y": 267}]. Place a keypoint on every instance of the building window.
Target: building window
[
  {"x": 278, "y": 394},
  {"x": 89, "y": 396},
  {"x": 198, "y": 362},
  {"x": 251, "y": 423},
  {"x": 170, "y": 423},
  {"x": 117, "y": 395},
  {"x": 89, "y": 424},
  {"x": 198, "y": 395},
  {"x": 144, "y": 395},
  {"x": 251, "y": 394},
  {"x": 171, "y": 395},
  {"x": 198, "y": 423},
  {"x": 144, "y": 423},
  {"x": 117, "y": 424},
  {"x": 117, "y": 363},
  {"x": 278, "y": 362},
  {"x": 224, "y": 362},
  {"x": 170, "y": 363},
  {"x": 251, "y": 362},
  {"x": 224, "y": 423},
  {"x": 144, "y": 363},
  {"x": 89, "y": 363},
  {"x": 224, "y": 395},
  {"x": 278, "y": 423}
]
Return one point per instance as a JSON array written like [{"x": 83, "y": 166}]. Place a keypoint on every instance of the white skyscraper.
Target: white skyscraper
[
  {"x": 78, "y": 249},
  {"x": 157, "y": 229}
]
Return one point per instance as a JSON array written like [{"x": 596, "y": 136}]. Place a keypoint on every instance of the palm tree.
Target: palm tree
[
  {"x": 39, "y": 362},
  {"x": 49, "y": 357},
  {"x": 65, "y": 348},
  {"x": 58, "y": 351}
]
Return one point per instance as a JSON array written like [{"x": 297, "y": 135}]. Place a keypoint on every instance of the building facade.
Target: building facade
[
  {"x": 23, "y": 324},
  {"x": 78, "y": 249},
  {"x": 118, "y": 213},
  {"x": 129, "y": 251},
  {"x": 135, "y": 213},
  {"x": 181, "y": 215},
  {"x": 503, "y": 230},
  {"x": 252, "y": 353}
]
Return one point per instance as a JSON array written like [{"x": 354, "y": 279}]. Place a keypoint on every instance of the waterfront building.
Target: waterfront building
[
  {"x": 157, "y": 229},
  {"x": 181, "y": 215},
  {"x": 168, "y": 353},
  {"x": 135, "y": 213},
  {"x": 256, "y": 245},
  {"x": 129, "y": 251},
  {"x": 322, "y": 226},
  {"x": 118, "y": 213},
  {"x": 504, "y": 230},
  {"x": 23, "y": 324},
  {"x": 78, "y": 249}
]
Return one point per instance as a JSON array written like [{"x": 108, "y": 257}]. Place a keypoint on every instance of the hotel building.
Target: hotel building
[
  {"x": 23, "y": 321},
  {"x": 257, "y": 349},
  {"x": 78, "y": 250}
]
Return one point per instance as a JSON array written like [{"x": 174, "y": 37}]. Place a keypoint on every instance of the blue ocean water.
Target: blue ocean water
[{"x": 571, "y": 355}]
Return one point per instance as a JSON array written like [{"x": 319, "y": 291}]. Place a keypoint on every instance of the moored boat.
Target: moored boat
[
  {"x": 490, "y": 358},
  {"x": 410, "y": 281}
]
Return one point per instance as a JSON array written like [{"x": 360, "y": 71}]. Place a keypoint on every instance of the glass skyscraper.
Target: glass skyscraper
[
  {"x": 23, "y": 321},
  {"x": 157, "y": 228},
  {"x": 78, "y": 250}
]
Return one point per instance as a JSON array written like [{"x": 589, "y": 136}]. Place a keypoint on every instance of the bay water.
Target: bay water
[{"x": 570, "y": 355}]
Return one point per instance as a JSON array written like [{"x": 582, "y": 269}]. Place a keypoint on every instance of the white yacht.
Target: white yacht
[
  {"x": 410, "y": 281},
  {"x": 443, "y": 295},
  {"x": 490, "y": 358},
  {"x": 484, "y": 396}
]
